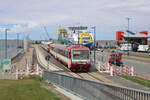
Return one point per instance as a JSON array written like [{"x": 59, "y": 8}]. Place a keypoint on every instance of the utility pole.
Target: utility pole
[
  {"x": 18, "y": 41},
  {"x": 94, "y": 28},
  {"x": 78, "y": 37},
  {"x": 128, "y": 19},
  {"x": 6, "y": 43}
]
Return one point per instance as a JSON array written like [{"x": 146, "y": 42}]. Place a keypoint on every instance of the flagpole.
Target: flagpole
[{"x": 128, "y": 34}]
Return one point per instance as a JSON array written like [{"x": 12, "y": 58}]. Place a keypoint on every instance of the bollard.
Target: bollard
[
  {"x": 111, "y": 71},
  {"x": 132, "y": 71},
  {"x": 27, "y": 72},
  {"x": 37, "y": 69},
  {"x": 16, "y": 73}
]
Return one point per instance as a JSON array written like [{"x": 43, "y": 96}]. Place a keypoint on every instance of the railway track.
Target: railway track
[{"x": 53, "y": 61}]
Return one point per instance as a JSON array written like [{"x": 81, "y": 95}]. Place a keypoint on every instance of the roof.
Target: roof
[
  {"x": 77, "y": 47},
  {"x": 136, "y": 35},
  {"x": 69, "y": 47}
]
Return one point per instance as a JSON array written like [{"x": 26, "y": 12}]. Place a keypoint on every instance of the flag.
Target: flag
[{"x": 144, "y": 32}]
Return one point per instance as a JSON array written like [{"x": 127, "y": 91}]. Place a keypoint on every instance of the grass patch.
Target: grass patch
[
  {"x": 25, "y": 89},
  {"x": 138, "y": 80}
]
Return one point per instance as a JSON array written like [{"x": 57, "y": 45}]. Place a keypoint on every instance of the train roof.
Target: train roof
[{"x": 70, "y": 47}]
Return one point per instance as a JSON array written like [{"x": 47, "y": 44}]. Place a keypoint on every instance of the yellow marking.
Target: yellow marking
[{"x": 85, "y": 34}]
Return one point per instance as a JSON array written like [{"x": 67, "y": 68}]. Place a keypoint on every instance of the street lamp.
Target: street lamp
[
  {"x": 94, "y": 28},
  {"x": 18, "y": 41},
  {"x": 6, "y": 30}
]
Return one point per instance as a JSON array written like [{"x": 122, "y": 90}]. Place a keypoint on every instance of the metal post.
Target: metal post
[
  {"x": 78, "y": 37},
  {"x": 94, "y": 28},
  {"x": 17, "y": 41},
  {"x": 6, "y": 43},
  {"x": 128, "y": 34},
  {"x": 94, "y": 41}
]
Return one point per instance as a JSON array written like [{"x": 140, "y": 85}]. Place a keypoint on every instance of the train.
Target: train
[{"x": 75, "y": 57}]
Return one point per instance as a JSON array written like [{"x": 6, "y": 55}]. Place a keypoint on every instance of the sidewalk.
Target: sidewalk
[
  {"x": 68, "y": 93},
  {"x": 123, "y": 82}
]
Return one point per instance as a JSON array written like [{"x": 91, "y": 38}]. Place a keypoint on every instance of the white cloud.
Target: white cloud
[{"x": 109, "y": 14}]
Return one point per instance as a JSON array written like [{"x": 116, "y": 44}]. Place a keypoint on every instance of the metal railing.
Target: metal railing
[
  {"x": 17, "y": 54},
  {"x": 92, "y": 90}
]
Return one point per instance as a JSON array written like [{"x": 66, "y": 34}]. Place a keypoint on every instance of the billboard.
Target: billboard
[{"x": 5, "y": 65}]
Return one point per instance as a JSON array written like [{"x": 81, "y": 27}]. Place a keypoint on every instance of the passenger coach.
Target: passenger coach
[{"x": 77, "y": 57}]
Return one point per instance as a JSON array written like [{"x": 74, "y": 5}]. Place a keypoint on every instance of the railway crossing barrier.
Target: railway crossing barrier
[
  {"x": 93, "y": 90},
  {"x": 115, "y": 70},
  {"x": 29, "y": 72}
]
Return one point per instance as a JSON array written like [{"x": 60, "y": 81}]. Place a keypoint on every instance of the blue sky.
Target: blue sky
[{"x": 29, "y": 16}]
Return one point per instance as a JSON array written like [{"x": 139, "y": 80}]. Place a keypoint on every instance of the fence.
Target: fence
[
  {"x": 10, "y": 76},
  {"x": 115, "y": 70},
  {"x": 17, "y": 54},
  {"x": 29, "y": 72},
  {"x": 91, "y": 90},
  {"x": 102, "y": 65},
  {"x": 12, "y": 48}
]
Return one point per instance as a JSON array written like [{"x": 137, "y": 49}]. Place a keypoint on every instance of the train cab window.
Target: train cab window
[{"x": 80, "y": 54}]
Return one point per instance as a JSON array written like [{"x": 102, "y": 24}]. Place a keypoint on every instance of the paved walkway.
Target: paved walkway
[
  {"x": 22, "y": 62},
  {"x": 123, "y": 82},
  {"x": 68, "y": 93}
]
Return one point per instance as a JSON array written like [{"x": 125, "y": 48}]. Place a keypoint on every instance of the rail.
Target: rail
[
  {"x": 17, "y": 54},
  {"x": 92, "y": 90}
]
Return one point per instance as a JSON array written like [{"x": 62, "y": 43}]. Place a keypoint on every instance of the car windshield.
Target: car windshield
[{"x": 80, "y": 54}]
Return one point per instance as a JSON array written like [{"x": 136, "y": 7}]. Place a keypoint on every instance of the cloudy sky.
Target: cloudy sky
[{"x": 109, "y": 16}]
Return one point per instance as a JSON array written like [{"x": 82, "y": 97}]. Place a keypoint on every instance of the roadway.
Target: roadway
[{"x": 141, "y": 65}]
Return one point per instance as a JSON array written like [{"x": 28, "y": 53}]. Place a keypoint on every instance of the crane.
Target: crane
[{"x": 47, "y": 33}]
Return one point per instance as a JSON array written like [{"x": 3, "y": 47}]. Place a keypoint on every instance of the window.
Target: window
[{"x": 80, "y": 54}]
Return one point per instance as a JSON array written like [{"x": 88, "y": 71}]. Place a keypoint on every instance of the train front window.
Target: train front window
[{"x": 80, "y": 54}]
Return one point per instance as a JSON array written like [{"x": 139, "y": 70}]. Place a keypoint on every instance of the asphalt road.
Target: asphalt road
[{"x": 139, "y": 66}]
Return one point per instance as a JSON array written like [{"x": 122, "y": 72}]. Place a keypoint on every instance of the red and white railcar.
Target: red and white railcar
[{"x": 76, "y": 57}]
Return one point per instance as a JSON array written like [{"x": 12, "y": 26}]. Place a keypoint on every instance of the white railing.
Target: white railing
[{"x": 115, "y": 70}]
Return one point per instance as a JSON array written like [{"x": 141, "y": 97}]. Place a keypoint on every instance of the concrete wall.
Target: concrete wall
[{"x": 106, "y": 43}]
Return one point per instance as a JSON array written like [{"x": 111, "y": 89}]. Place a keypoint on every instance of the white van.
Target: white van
[
  {"x": 143, "y": 48},
  {"x": 126, "y": 47}
]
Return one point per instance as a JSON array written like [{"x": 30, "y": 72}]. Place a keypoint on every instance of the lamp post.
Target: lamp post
[
  {"x": 6, "y": 43},
  {"x": 128, "y": 19},
  {"x": 78, "y": 38},
  {"x": 18, "y": 41},
  {"x": 94, "y": 28}
]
